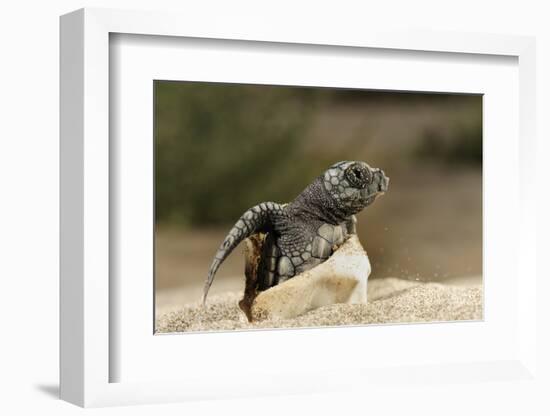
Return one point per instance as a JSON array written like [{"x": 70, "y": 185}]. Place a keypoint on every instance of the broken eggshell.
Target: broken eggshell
[{"x": 340, "y": 279}]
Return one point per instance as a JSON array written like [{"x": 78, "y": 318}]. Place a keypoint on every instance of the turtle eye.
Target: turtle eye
[{"x": 357, "y": 176}]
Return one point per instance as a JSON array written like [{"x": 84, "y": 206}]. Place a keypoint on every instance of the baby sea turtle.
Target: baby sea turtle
[{"x": 286, "y": 240}]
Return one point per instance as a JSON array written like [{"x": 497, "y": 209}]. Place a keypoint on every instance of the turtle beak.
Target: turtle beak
[{"x": 381, "y": 180}]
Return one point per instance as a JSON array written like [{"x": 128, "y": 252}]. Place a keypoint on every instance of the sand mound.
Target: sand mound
[{"x": 390, "y": 301}]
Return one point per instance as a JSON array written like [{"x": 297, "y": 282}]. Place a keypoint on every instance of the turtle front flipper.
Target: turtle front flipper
[{"x": 255, "y": 220}]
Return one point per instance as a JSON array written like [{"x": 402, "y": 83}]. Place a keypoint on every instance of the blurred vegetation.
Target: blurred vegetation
[
  {"x": 216, "y": 144},
  {"x": 460, "y": 144},
  {"x": 222, "y": 148}
]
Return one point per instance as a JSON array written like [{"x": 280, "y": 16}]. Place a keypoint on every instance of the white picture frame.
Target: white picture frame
[{"x": 87, "y": 302}]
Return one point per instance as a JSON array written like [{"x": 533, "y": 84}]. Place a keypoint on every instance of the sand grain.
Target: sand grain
[{"x": 390, "y": 301}]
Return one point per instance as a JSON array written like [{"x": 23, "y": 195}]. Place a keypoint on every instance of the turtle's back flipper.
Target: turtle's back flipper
[
  {"x": 261, "y": 258},
  {"x": 267, "y": 270}
]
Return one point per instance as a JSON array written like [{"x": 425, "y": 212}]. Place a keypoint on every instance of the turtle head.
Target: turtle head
[{"x": 353, "y": 185}]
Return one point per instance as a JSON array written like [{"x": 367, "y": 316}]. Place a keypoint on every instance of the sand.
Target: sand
[{"x": 391, "y": 300}]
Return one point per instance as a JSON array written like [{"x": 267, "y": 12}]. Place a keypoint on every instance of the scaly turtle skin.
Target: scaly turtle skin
[{"x": 297, "y": 236}]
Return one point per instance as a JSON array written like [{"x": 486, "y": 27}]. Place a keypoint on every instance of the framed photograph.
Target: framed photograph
[
  {"x": 221, "y": 149},
  {"x": 367, "y": 177}
]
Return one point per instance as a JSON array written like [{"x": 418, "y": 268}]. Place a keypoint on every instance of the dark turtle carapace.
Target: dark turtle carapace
[{"x": 285, "y": 240}]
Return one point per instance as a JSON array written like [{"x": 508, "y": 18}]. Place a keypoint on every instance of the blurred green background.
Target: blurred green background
[{"x": 222, "y": 148}]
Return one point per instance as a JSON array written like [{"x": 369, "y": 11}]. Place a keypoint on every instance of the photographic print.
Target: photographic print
[{"x": 303, "y": 207}]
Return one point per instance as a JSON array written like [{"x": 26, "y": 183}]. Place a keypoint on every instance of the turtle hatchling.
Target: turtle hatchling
[{"x": 284, "y": 240}]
